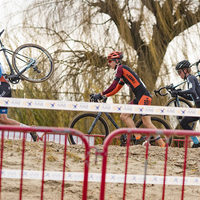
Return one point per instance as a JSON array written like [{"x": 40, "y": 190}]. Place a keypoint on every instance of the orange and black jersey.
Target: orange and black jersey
[{"x": 124, "y": 75}]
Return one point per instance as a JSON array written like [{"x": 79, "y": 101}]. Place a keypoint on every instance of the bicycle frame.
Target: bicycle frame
[
  {"x": 100, "y": 113},
  {"x": 175, "y": 86},
  {"x": 109, "y": 117},
  {"x": 97, "y": 118},
  {"x": 13, "y": 75},
  {"x": 7, "y": 59}
]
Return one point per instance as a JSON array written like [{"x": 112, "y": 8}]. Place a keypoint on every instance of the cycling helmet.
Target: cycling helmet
[
  {"x": 183, "y": 64},
  {"x": 115, "y": 55}
]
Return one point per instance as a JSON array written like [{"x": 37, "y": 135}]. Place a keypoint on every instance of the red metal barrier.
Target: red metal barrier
[
  {"x": 148, "y": 132},
  {"x": 180, "y": 142},
  {"x": 23, "y": 131}
]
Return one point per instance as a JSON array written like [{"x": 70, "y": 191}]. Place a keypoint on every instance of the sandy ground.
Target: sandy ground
[{"x": 116, "y": 160}]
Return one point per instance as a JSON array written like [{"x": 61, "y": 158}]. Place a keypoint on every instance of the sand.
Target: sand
[{"x": 115, "y": 164}]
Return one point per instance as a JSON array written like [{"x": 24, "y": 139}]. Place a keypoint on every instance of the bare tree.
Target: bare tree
[{"x": 83, "y": 32}]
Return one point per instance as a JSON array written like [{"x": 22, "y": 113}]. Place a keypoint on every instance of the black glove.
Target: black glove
[
  {"x": 98, "y": 96},
  {"x": 175, "y": 93}
]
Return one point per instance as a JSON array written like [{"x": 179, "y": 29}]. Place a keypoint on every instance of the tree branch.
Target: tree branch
[{"x": 111, "y": 8}]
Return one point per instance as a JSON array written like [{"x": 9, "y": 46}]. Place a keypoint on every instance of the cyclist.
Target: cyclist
[
  {"x": 192, "y": 94},
  {"x": 5, "y": 91},
  {"x": 124, "y": 75}
]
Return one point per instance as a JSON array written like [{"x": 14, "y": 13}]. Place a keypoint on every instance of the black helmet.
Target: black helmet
[{"x": 183, "y": 64}]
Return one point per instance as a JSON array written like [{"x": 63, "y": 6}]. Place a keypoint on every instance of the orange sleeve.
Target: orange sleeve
[{"x": 118, "y": 87}]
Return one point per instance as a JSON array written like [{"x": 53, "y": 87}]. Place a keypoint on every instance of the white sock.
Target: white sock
[{"x": 22, "y": 124}]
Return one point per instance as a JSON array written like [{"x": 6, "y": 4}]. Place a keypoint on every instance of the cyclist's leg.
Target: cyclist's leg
[
  {"x": 5, "y": 91},
  {"x": 146, "y": 119},
  {"x": 185, "y": 122},
  {"x": 126, "y": 118},
  {"x": 148, "y": 124},
  {"x": 185, "y": 125},
  {"x": 5, "y": 120}
]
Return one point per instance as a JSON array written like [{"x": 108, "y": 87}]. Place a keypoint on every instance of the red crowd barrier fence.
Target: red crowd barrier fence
[
  {"x": 47, "y": 132},
  {"x": 147, "y": 132},
  {"x": 21, "y": 133}
]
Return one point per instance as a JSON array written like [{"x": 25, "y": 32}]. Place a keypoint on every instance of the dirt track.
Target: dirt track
[{"x": 116, "y": 160}]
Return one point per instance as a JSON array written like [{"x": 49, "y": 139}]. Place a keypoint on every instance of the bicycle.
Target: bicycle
[
  {"x": 95, "y": 124},
  {"x": 30, "y": 62},
  {"x": 177, "y": 101}
]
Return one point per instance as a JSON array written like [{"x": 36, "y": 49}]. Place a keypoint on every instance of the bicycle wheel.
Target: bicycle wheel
[
  {"x": 42, "y": 66},
  {"x": 83, "y": 122},
  {"x": 175, "y": 120},
  {"x": 159, "y": 123}
]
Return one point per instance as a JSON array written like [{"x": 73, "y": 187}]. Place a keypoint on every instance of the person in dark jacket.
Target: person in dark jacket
[{"x": 192, "y": 94}]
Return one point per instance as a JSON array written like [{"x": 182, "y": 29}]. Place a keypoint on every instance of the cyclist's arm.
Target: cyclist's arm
[
  {"x": 118, "y": 87},
  {"x": 115, "y": 82},
  {"x": 110, "y": 88},
  {"x": 191, "y": 88},
  {"x": 191, "y": 91}
]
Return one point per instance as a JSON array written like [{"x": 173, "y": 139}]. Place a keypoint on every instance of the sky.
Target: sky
[
  {"x": 8, "y": 7},
  {"x": 10, "y": 16}
]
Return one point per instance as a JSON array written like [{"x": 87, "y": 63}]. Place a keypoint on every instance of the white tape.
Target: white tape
[
  {"x": 95, "y": 177},
  {"x": 98, "y": 107}
]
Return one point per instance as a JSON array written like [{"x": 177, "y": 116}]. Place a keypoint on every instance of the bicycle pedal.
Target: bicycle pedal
[
  {"x": 122, "y": 145},
  {"x": 123, "y": 140}
]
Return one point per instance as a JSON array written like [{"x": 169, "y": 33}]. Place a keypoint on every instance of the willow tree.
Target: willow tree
[{"x": 82, "y": 32}]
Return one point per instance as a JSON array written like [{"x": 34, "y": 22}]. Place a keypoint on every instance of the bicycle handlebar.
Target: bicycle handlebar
[
  {"x": 158, "y": 91},
  {"x": 92, "y": 99},
  {"x": 169, "y": 89}
]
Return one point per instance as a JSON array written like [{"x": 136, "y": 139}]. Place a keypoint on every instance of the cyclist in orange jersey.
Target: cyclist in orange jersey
[{"x": 125, "y": 75}]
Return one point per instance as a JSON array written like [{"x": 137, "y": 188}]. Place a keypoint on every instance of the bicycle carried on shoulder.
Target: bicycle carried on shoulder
[
  {"x": 177, "y": 101},
  {"x": 95, "y": 124},
  {"x": 30, "y": 62}
]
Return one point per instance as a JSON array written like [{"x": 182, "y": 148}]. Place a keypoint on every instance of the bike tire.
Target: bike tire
[
  {"x": 83, "y": 122},
  {"x": 38, "y": 72},
  {"x": 175, "y": 120},
  {"x": 159, "y": 123}
]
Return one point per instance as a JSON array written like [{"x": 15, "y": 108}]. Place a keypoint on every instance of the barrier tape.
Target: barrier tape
[
  {"x": 98, "y": 107},
  {"x": 95, "y": 177}
]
